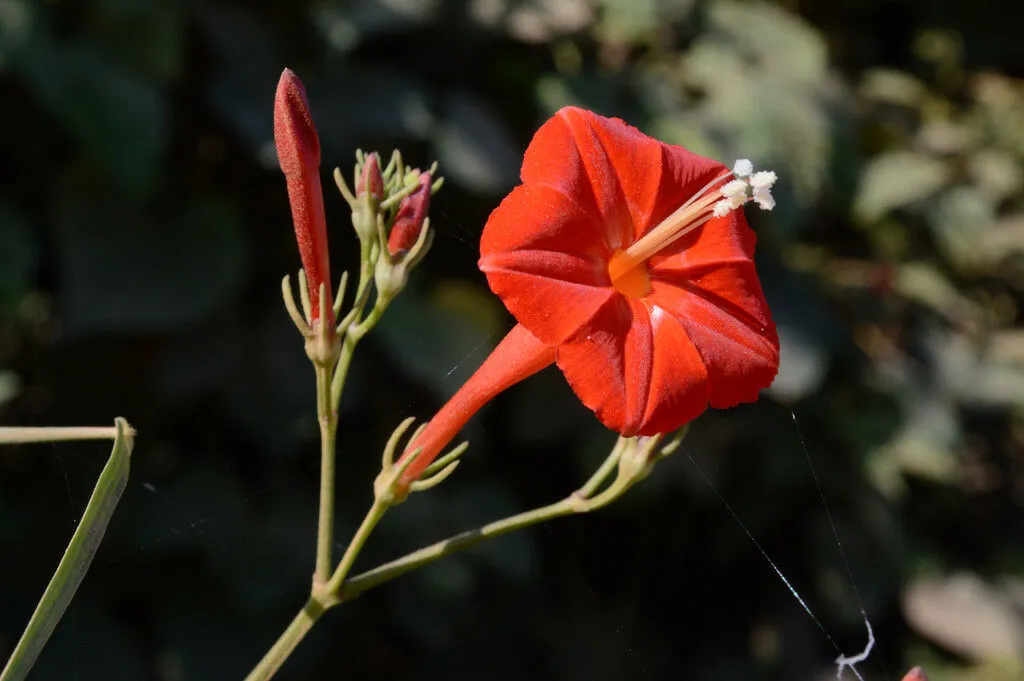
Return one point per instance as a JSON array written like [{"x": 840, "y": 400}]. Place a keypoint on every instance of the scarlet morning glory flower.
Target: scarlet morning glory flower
[
  {"x": 298, "y": 151},
  {"x": 628, "y": 263}
]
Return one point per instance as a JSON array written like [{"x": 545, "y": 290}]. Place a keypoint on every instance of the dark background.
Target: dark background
[{"x": 144, "y": 229}]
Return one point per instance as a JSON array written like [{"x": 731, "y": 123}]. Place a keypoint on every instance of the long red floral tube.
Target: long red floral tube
[
  {"x": 298, "y": 151},
  {"x": 630, "y": 259},
  {"x": 518, "y": 356}
]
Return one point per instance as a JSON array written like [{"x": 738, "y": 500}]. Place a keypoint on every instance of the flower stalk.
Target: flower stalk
[
  {"x": 630, "y": 459},
  {"x": 623, "y": 460}
]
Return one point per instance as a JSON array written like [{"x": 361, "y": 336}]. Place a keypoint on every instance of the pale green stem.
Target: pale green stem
[
  {"x": 13, "y": 436},
  {"x": 287, "y": 642},
  {"x": 328, "y": 420},
  {"x": 577, "y": 502},
  {"x": 350, "y": 339},
  {"x": 371, "y": 320},
  {"x": 348, "y": 347},
  {"x": 373, "y": 516},
  {"x": 396, "y": 568},
  {"x": 605, "y": 469}
]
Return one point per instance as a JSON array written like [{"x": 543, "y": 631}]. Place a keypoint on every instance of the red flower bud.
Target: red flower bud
[
  {"x": 298, "y": 151},
  {"x": 915, "y": 674},
  {"x": 371, "y": 180},
  {"x": 412, "y": 211}
]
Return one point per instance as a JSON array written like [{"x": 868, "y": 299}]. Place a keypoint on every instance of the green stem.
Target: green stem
[
  {"x": 578, "y": 502},
  {"x": 371, "y": 320},
  {"x": 287, "y": 642},
  {"x": 328, "y": 420},
  {"x": 17, "y": 435},
  {"x": 370, "y": 521},
  {"x": 349, "y": 339},
  {"x": 388, "y": 571},
  {"x": 603, "y": 471},
  {"x": 348, "y": 348}
]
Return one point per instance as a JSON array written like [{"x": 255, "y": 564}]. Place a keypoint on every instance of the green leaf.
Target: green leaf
[
  {"x": 898, "y": 179},
  {"x": 534, "y": 22},
  {"x": 888, "y": 86},
  {"x": 925, "y": 444},
  {"x": 927, "y": 286},
  {"x": 77, "y": 558},
  {"x": 765, "y": 95},
  {"x": 960, "y": 219}
]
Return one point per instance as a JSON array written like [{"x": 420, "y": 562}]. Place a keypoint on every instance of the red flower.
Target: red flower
[
  {"x": 298, "y": 151},
  {"x": 624, "y": 260}
]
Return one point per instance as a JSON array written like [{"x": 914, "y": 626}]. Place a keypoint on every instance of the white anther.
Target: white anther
[
  {"x": 743, "y": 168},
  {"x": 763, "y": 179},
  {"x": 734, "y": 188},
  {"x": 721, "y": 208},
  {"x": 763, "y": 198}
]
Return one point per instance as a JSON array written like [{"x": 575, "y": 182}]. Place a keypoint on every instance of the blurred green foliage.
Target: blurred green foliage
[{"x": 138, "y": 141}]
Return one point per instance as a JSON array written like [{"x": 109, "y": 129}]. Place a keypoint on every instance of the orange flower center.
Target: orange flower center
[{"x": 629, "y": 277}]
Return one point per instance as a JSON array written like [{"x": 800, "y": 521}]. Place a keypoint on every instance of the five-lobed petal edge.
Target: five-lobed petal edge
[{"x": 702, "y": 335}]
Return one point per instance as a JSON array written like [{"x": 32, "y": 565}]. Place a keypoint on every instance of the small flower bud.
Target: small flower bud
[
  {"x": 412, "y": 212},
  {"x": 370, "y": 180},
  {"x": 392, "y": 272}
]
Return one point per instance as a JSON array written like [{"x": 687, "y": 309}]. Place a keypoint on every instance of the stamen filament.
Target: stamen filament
[
  {"x": 672, "y": 227},
  {"x": 706, "y": 187},
  {"x": 713, "y": 200}
]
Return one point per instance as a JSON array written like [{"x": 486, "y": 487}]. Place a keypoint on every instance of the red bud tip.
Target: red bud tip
[
  {"x": 371, "y": 180},
  {"x": 915, "y": 674},
  {"x": 298, "y": 146},
  {"x": 298, "y": 151},
  {"x": 412, "y": 211}
]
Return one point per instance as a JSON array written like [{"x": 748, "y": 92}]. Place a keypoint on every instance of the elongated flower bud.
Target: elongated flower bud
[
  {"x": 298, "y": 151},
  {"x": 412, "y": 212}
]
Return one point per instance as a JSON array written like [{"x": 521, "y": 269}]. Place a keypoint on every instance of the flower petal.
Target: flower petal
[
  {"x": 719, "y": 241},
  {"x": 635, "y": 366},
  {"x": 726, "y": 318},
  {"x": 546, "y": 260},
  {"x": 630, "y": 180},
  {"x": 679, "y": 383},
  {"x": 540, "y": 217}
]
